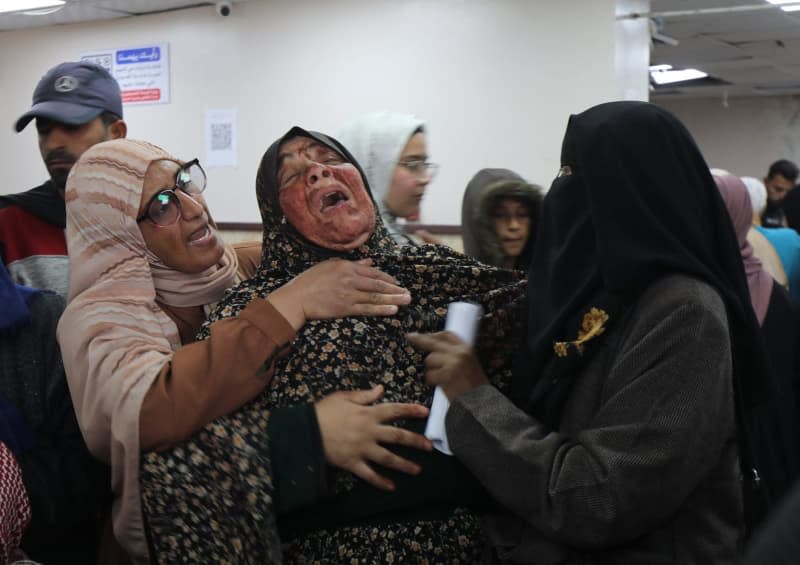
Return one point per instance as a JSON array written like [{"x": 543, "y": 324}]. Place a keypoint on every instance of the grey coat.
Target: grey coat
[{"x": 644, "y": 465}]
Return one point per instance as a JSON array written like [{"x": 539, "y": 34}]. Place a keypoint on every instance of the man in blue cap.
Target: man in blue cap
[{"x": 75, "y": 105}]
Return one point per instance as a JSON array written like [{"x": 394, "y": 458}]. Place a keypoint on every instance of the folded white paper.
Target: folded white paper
[{"x": 462, "y": 320}]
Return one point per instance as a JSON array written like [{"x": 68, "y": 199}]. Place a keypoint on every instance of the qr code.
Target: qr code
[{"x": 221, "y": 137}]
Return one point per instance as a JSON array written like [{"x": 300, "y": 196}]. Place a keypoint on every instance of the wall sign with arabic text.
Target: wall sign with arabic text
[{"x": 142, "y": 72}]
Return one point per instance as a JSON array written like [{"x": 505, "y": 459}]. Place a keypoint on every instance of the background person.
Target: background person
[
  {"x": 67, "y": 488},
  {"x": 392, "y": 149},
  {"x": 779, "y": 320},
  {"x": 784, "y": 240},
  {"x": 75, "y": 105},
  {"x": 779, "y": 181},
  {"x": 499, "y": 214},
  {"x": 762, "y": 247}
]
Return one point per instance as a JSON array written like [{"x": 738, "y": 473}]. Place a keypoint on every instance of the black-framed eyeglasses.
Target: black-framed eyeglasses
[
  {"x": 164, "y": 208},
  {"x": 420, "y": 168}
]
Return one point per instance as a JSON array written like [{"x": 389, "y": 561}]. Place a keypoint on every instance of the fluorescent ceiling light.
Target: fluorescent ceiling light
[
  {"x": 666, "y": 38},
  {"x": 678, "y": 75},
  {"x": 792, "y": 8},
  {"x": 24, "y": 5},
  {"x": 779, "y": 2}
]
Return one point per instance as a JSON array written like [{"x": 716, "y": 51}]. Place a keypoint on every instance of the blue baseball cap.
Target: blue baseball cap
[{"x": 73, "y": 93}]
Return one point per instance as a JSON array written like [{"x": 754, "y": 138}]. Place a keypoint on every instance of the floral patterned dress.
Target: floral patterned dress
[{"x": 217, "y": 486}]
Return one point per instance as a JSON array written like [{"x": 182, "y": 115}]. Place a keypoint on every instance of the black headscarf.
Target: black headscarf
[
  {"x": 640, "y": 204},
  {"x": 269, "y": 203}
]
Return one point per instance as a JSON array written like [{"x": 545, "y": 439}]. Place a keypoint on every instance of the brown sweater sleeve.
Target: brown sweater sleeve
[
  {"x": 208, "y": 379},
  {"x": 249, "y": 255}
]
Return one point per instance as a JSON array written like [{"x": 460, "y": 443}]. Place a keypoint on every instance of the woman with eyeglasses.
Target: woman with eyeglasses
[
  {"x": 146, "y": 263},
  {"x": 391, "y": 148},
  {"x": 498, "y": 217}
]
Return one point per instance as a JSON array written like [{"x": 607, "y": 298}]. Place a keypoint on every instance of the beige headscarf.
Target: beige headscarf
[{"x": 114, "y": 337}]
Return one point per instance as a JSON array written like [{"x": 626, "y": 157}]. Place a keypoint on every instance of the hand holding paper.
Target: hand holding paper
[{"x": 462, "y": 320}]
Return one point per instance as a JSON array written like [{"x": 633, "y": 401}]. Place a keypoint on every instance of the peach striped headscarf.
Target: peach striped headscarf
[{"x": 114, "y": 337}]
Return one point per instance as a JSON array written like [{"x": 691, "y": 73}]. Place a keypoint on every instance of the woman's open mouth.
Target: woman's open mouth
[
  {"x": 332, "y": 199},
  {"x": 201, "y": 236}
]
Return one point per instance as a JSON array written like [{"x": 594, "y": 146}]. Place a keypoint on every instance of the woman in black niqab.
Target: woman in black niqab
[
  {"x": 638, "y": 301},
  {"x": 635, "y": 201}
]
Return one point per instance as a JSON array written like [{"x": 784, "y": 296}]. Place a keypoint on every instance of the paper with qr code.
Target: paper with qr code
[{"x": 221, "y": 137}]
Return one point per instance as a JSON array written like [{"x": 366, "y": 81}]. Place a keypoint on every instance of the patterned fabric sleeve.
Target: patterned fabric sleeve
[{"x": 15, "y": 511}]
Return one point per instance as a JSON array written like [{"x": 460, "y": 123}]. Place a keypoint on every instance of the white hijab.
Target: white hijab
[{"x": 377, "y": 140}]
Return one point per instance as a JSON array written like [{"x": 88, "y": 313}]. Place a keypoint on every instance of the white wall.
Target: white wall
[
  {"x": 632, "y": 51},
  {"x": 495, "y": 79},
  {"x": 745, "y": 136}
]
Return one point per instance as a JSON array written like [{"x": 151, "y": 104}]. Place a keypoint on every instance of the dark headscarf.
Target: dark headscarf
[{"x": 640, "y": 204}]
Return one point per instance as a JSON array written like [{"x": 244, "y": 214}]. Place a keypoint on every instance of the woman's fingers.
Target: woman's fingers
[
  {"x": 377, "y": 282},
  {"x": 356, "y": 432},
  {"x": 361, "y": 303},
  {"x": 392, "y": 435},
  {"x": 390, "y": 411},
  {"x": 359, "y": 290},
  {"x": 400, "y": 297},
  {"x": 438, "y": 341},
  {"x": 450, "y": 363},
  {"x": 363, "y": 397},
  {"x": 380, "y": 298},
  {"x": 385, "y": 458},
  {"x": 371, "y": 273},
  {"x": 368, "y": 474}
]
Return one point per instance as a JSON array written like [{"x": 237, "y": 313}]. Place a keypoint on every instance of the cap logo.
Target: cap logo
[{"x": 65, "y": 84}]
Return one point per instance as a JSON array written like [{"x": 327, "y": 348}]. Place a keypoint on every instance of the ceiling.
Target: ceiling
[
  {"x": 75, "y": 11},
  {"x": 747, "y": 47}
]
